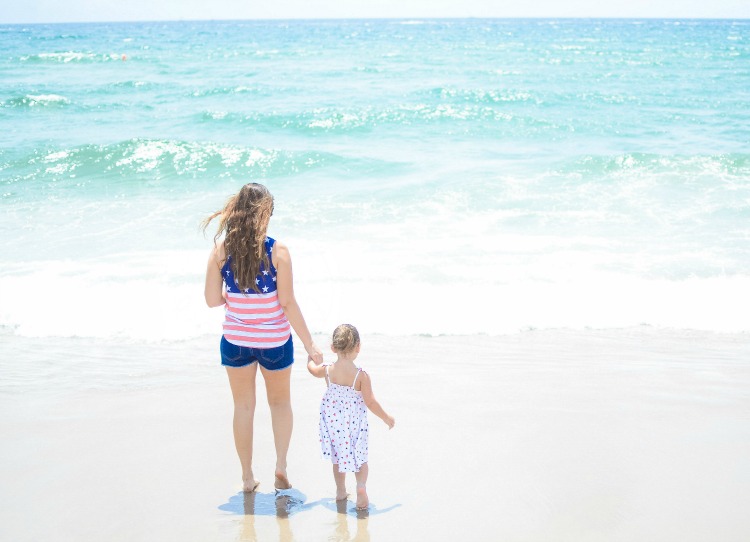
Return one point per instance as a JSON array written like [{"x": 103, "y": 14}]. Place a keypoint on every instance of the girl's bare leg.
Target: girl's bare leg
[
  {"x": 242, "y": 382},
  {"x": 279, "y": 401},
  {"x": 340, "y": 479},
  {"x": 362, "y": 500}
]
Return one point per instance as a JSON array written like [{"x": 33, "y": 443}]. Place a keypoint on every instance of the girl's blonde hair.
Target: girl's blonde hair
[
  {"x": 244, "y": 222},
  {"x": 345, "y": 339}
]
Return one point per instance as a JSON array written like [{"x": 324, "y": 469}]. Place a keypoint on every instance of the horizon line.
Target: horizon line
[{"x": 430, "y": 18}]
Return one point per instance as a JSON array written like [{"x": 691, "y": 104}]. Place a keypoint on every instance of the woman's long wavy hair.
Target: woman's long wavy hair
[{"x": 244, "y": 222}]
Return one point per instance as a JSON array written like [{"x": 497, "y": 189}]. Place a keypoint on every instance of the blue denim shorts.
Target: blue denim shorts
[{"x": 272, "y": 359}]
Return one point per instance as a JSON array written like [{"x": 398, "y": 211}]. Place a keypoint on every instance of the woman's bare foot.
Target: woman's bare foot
[
  {"x": 363, "y": 502},
  {"x": 342, "y": 496},
  {"x": 250, "y": 485},
  {"x": 281, "y": 481}
]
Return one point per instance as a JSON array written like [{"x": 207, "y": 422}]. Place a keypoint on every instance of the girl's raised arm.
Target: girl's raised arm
[{"x": 369, "y": 397}]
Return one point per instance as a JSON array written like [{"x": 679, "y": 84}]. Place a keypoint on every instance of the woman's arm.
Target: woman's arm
[
  {"x": 282, "y": 261},
  {"x": 214, "y": 290},
  {"x": 371, "y": 402}
]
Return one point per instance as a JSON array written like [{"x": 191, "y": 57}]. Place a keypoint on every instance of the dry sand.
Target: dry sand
[{"x": 625, "y": 435}]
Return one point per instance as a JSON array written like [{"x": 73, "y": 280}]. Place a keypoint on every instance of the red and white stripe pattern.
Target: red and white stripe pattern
[{"x": 255, "y": 320}]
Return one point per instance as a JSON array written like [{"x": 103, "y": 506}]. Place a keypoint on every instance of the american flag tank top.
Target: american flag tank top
[{"x": 255, "y": 319}]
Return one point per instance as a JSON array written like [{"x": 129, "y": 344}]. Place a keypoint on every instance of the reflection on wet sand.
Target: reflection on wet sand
[
  {"x": 250, "y": 505},
  {"x": 342, "y": 525},
  {"x": 284, "y": 504}
]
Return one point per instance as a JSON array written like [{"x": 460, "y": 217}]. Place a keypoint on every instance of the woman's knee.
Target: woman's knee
[
  {"x": 279, "y": 401},
  {"x": 245, "y": 405}
]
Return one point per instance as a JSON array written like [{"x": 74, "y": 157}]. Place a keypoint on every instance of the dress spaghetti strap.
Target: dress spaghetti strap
[{"x": 356, "y": 376}]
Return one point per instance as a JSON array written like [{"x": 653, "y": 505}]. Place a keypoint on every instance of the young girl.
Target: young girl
[{"x": 343, "y": 413}]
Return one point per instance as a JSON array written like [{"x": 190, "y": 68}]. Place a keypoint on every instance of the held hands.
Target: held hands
[{"x": 314, "y": 354}]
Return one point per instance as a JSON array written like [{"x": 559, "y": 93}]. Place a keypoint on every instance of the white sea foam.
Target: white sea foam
[
  {"x": 65, "y": 57},
  {"x": 463, "y": 260},
  {"x": 57, "y": 156},
  {"x": 46, "y": 99},
  {"x": 339, "y": 120},
  {"x": 148, "y": 154},
  {"x": 155, "y": 297},
  {"x": 72, "y": 56},
  {"x": 129, "y": 300}
]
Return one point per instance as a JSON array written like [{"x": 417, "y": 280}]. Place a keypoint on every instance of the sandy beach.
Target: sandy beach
[
  {"x": 539, "y": 226},
  {"x": 637, "y": 434}
]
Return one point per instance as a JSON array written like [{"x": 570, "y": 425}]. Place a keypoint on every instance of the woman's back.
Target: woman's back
[{"x": 255, "y": 318}]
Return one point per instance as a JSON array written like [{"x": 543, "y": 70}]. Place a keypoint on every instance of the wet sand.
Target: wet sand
[{"x": 636, "y": 434}]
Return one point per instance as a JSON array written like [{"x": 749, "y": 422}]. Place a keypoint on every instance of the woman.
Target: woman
[{"x": 251, "y": 274}]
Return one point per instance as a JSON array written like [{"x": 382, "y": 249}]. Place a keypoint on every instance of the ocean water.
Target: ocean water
[{"x": 431, "y": 176}]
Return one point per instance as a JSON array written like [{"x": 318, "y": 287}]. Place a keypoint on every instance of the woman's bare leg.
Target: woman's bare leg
[
  {"x": 362, "y": 500},
  {"x": 280, "y": 404},
  {"x": 242, "y": 382}
]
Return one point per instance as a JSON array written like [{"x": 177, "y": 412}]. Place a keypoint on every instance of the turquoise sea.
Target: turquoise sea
[{"x": 431, "y": 176}]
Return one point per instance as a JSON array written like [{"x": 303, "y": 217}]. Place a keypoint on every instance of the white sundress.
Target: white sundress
[{"x": 343, "y": 426}]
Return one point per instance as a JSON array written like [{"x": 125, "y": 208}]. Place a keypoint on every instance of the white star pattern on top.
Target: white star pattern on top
[{"x": 254, "y": 317}]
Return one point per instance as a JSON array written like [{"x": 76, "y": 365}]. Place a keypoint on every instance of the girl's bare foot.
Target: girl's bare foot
[
  {"x": 281, "y": 481},
  {"x": 341, "y": 496},
  {"x": 362, "y": 500}
]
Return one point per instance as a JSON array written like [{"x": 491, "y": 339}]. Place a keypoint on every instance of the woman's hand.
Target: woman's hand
[{"x": 314, "y": 353}]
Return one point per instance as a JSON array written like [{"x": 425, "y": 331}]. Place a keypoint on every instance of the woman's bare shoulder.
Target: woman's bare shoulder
[
  {"x": 219, "y": 253},
  {"x": 279, "y": 253},
  {"x": 279, "y": 246}
]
